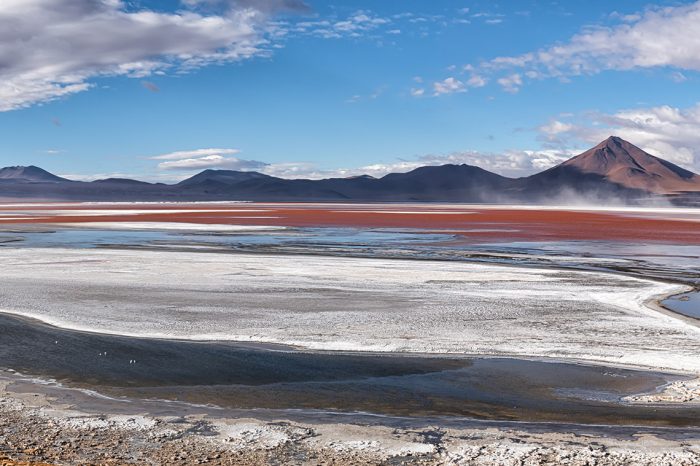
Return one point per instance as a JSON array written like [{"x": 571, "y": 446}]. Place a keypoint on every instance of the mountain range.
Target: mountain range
[{"x": 614, "y": 171}]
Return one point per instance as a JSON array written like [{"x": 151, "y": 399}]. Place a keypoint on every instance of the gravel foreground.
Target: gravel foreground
[{"x": 36, "y": 429}]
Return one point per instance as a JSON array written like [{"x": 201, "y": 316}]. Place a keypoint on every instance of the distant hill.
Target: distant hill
[
  {"x": 30, "y": 174},
  {"x": 220, "y": 177},
  {"x": 612, "y": 171}
]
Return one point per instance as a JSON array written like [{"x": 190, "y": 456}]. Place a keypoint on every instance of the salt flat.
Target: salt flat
[{"x": 334, "y": 303}]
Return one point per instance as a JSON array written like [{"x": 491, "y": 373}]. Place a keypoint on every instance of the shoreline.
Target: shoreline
[
  {"x": 289, "y": 348},
  {"x": 435, "y": 363},
  {"x": 42, "y": 427}
]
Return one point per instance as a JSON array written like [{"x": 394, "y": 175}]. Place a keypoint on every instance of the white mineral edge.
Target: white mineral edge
[{"x": 349, "y": 304}]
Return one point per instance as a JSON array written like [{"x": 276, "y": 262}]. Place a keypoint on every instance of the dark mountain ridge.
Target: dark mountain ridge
[
  {"x": 613, "y": 171},
  {"x": 30, "y": 174}
]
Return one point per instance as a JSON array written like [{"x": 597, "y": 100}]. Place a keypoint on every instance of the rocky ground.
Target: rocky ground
[{"x": 37, "y": 429}]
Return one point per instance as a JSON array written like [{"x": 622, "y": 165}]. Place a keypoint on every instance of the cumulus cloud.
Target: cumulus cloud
[
  {"x": 54, "y": 48},
  {"x": 206, "y": 158},
  {"x": 511, "y": 83},
  {"x": 669, "y": 132},
  {"x": 261, "y": 5},
  {"x": 453, "y": 85},
  {"x": 355, "y": 25},
  {"x": 448, "y": 86},
  {"x": 554, "y": 128},
  {"x": 212, "y": 161},
  {"x": 476, "y": 81},
  {"x": 188, "y": 154},
  {"x": 513, "y": 163},
  {"x": 657, "y": 37}
]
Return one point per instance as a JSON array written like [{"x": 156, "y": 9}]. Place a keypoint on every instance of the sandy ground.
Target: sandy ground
[
  {"x": 331, "y": 303},
  {"x": 41, "y": 428}
]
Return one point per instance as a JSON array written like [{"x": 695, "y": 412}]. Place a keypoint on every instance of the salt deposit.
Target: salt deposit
[{"x": 332, "y": 303}]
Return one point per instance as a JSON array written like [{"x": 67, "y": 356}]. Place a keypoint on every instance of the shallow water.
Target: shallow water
[
  {"x": 249, "y": 376},
  {"x": 88, "y": 238},
  {"x": 687, "y": 304},
  {"x": 665, "y": 261}
]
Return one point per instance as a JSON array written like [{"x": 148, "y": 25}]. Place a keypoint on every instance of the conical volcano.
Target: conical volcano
[{"x": 628, "y": 166}]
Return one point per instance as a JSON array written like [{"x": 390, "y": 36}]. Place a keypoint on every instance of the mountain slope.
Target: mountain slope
[
  {"x": 220, "y": 177},
  {"x": 30, "y": 174},
  {"x": 626, "y": 165},
  {"x": 458, "y": 183}
]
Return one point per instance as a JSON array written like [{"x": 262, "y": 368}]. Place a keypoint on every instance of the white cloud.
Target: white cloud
[
  {"x": 476, "y": 81},
  {"x": 188, "y": 154},
  {"x": 211, "y": 161},
  {"x": 452, "y": 85},
  {"x": 554, "y": 128},
  {"x": 509, "y": 163},
  {"x": 206, "y": 158},
  {"x": 54, "y": 48},
  {"x": 511, "y": 83},
  {"x": 262, "y": 5},
  {"x": 354, "y": 26},
  {"x": 448, "y": 86},
  {"x": 658, "y": 37},
  {"x": 417, "y": 91},
  {"x": 513, "y": 163}
]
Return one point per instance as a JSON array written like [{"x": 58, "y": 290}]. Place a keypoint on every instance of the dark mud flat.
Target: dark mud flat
[{"x": 251, "y": 376}]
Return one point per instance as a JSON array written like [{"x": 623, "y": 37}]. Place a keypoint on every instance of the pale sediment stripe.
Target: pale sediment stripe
[{"x": 348, "y": 304}]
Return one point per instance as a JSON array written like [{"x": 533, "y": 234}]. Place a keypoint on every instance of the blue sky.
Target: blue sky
[{"x": 161, "y": 90}]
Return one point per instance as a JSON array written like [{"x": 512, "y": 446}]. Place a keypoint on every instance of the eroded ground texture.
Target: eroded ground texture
[{"x": 35, "y": 428}]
